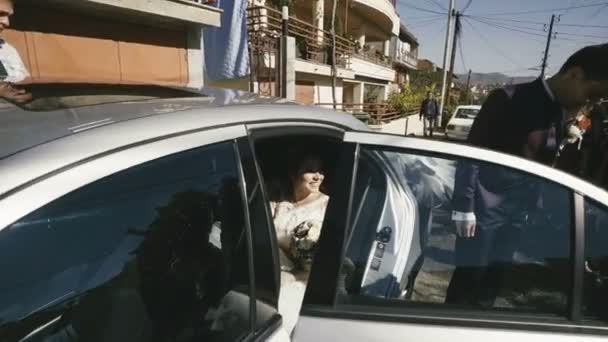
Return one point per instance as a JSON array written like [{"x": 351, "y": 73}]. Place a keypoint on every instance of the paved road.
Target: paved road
[{"x": 414, "y": 126}]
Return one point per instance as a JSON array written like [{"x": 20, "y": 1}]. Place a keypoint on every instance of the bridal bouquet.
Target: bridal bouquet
[{"x": 304, "y": 243}]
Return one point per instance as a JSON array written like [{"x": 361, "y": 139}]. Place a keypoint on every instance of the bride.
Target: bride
[{"x": 298, "y": 217}]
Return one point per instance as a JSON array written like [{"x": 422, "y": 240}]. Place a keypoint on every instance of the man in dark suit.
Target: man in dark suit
[
  {"x": 429, "y": 111},
  {"x": 526, "y": 120}
]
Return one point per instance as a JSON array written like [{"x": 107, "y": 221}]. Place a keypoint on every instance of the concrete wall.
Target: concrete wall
[
  {"x": 183, "y": 11},
  {"x": 67, "y": 46},
  {"x": 387, "y": 9},
  {"x": 322, "y": 88},
  {"x": 303, "y": 66},
  {"x": 367, "y": 69}
]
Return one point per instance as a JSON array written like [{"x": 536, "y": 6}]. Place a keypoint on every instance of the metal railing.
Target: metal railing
[
  {"x": 378, "y": 112},
  {"x": 407, "y": 57},
  {"x": 374, "y": 56},
  {"x": 312, "y": 43}
]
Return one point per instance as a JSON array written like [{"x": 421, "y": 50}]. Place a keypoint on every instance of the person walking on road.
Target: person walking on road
[{"x": 429, "y": 111}]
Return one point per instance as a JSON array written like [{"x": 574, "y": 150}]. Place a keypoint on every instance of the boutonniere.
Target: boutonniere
[{"x": 576, "y": 130}]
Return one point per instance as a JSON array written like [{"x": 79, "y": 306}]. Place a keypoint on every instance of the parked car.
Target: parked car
[
  {"x": 138, "y": 213},
  {"x": 460, "y": 124}
]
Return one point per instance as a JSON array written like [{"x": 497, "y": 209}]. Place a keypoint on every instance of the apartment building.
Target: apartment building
[
  {"x": 115, "y": 41},
  {"x": 373, "y": 49}
]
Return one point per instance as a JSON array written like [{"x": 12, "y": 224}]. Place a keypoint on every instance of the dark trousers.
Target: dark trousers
[{"x": 481, "y": 262}]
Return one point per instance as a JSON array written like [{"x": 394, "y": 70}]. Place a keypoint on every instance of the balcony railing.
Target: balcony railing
[
  {"x": 312, "y": 44},
  {"x": 374, "y": 56},
  {"x": 378, "y": 112},
  {"x": 407, "y": 58}
]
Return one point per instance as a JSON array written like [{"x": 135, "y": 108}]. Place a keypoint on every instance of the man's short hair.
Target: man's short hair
[{"x": 593, "y": 59}]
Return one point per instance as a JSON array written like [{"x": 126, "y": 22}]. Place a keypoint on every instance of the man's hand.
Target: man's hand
[
  {"x": 14, "y": 94},
  {"x": 465, "y": 229}
]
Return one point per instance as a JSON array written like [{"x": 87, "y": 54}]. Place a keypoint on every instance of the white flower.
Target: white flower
[
  {"x": 574, "y": 134},
  {"x": 304, "y": 241}
]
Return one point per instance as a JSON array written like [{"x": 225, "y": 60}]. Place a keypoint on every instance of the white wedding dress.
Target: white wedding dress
[{"x": 286, "y": 218}]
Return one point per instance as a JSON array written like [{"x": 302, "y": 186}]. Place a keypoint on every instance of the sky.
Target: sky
[{"x": 507, "y": 36}]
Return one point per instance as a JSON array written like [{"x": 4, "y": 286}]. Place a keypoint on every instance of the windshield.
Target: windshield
[{"x": 467, "y": 113}]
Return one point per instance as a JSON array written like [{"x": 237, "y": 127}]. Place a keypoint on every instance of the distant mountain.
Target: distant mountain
[{"x": 493, "y": 78}]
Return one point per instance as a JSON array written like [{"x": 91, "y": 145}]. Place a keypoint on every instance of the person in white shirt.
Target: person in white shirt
[{"x": 12, "y": 69}]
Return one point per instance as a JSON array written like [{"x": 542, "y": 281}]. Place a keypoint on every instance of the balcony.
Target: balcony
[
  {"x": 381, "y": 12},
  {"x": 374, "y": 56},
  {"x": 407, "y": 58},
  {"x": 264, "y": 27}
]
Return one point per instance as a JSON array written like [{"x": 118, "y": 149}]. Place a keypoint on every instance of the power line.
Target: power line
[
  {"x": 422, "y": 17},
  {"x": 530, "y": 30},
  {"x": 498, "y": 23},
  {"x": 581, "y": 25},
  {"x": 466, "y": 6},
  {"x": 508, "y": 28},
  {"x": 437, "y": 4},
  {"x": 464, "y": 65},
  {"x": 423, "y": 23},
  {"x": 580, "y": 35},
  {"x": 545, "y": 10},
  {"x": 492, "y": 46},
  {"x": 421, "y": 9},
  {"x": 502, "y": 19}
]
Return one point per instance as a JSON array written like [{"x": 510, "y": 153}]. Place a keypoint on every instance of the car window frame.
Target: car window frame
[
  {"x": 77, "y": 176},
  {"x": 62, "y": 181},
  {"x": 573, "y": 323}
]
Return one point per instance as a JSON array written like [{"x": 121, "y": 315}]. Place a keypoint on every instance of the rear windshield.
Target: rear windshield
[{"x": 467, "y": 113}]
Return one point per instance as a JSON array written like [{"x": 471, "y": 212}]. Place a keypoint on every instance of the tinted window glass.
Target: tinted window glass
[
  {"x": 596, "y": 265},
  {"x": 266, "y": 272},
  {"x": 156, "y": 252},
  {"x": 404, "y": 246}
]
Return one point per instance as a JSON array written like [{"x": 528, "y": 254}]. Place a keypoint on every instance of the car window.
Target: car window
[
  {"x": 155, "y": 252},
  {"x": 403, "y": 246},
  {"x": 467, "y": 113},
  {"x": 595, "y": 303},
  {"x": 266, "y": 268}
]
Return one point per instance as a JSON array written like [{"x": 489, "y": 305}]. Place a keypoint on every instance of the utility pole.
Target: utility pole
[
  {"x": 448, "y": 33},
  {"x": 334, "y": 70},
  {"x": 466, "y": 94},
  {"x": 453, "y": 59},
  {"x": 542, "y": 72},
  {"x": 283, "y": 52}
]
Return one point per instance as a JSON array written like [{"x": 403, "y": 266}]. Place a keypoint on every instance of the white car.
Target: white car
[
  {"x": 460, "y": 124},
  {"x": 142, "y": 214}
]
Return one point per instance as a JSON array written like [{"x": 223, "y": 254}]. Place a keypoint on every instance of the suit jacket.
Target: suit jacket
[
  {"x": 429, "y": 108},
  {"x": 521, "y": 120}
]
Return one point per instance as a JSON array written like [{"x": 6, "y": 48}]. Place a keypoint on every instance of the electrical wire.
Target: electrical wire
[
  {"x": 423, "y": 23},
  {"x": 543, "y": 10},
  {"x": 531, "y": 31},
  {"x": 421, "y": 9},
  {"x": 466, "y": 6},
  {"x": 580, "y": 35},
  {"x": 510, "y": 29},
  {"x": 464, "y": 65},
  {"x": 437, "y": 4},
  {"x": 492, "y": 46},
  {"x": 503, "y": 19}
]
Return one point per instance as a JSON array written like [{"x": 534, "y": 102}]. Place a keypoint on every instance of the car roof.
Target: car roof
[
  {"x": 60, "y": 110},
  {"x": 36, "y": 143}
]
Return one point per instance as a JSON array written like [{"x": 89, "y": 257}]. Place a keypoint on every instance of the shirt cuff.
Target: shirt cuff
[{"x": 460, "y": 216}]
